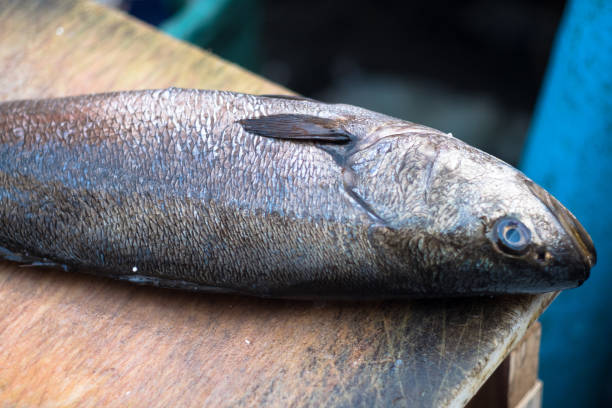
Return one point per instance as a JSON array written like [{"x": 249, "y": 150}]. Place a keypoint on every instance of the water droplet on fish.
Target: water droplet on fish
[
  {"x": 59, "y": 31},
  {"x": 247, "y": 341}
]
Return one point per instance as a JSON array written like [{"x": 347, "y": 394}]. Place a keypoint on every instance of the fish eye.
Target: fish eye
[{"x": 512, "y": 235}]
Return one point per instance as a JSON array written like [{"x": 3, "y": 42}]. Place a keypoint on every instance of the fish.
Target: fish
[{"x": 273, "y": 196}]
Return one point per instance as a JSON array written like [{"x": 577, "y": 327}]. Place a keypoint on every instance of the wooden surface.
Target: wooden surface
[
  {"x": 533, "y": 398},
  {"x": 78, "y": 340},
  {"x": 515, "y": 383},
  {"x": 523, "y": 366}
]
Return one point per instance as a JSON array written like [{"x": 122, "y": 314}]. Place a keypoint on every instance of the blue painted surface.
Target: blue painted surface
[
  {"x": 230, "y": 28},
  {"x": 569, "y": 152}
]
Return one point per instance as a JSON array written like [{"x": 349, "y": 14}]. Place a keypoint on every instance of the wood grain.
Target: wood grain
[{"x": 79, "y": 340}]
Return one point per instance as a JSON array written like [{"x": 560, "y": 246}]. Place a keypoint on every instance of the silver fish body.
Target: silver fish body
[{"x": 273, "y": 196}]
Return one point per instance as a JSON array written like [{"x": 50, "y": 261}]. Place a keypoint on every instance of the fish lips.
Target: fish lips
[{"x": 582, "y": 256}]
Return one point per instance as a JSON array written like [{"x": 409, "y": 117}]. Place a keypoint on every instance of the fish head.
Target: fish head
[
  {"x": 446, "y": 219},
  {"x": 464, "y": 222}
]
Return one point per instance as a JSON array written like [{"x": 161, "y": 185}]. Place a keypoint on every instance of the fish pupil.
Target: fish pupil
[{"x": 513, "y": 235}]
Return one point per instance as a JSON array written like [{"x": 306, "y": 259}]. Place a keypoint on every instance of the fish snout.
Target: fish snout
[
  {"x": 581, "y": 238},
  {"x": 583, "y": 256}
]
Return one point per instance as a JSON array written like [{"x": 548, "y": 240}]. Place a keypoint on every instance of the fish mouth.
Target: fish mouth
[{"x": 580, "y": 238}]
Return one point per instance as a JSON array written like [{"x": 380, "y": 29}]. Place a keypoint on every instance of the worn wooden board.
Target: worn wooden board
[
  {"x": 515, "y": 382},
  {"x": 79, "y": 340}
]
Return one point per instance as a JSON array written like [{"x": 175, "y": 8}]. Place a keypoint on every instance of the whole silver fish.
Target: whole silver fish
[{"x": 273, "y": 196}]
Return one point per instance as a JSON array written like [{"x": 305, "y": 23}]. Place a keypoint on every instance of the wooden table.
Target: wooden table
[{"x": 78, "y": 340}]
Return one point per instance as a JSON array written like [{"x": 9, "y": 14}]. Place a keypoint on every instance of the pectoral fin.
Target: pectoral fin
[{"x": 298, "y": 127}]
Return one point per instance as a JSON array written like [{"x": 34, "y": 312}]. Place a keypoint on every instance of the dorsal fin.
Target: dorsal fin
[{"x": 298, "y": 127}]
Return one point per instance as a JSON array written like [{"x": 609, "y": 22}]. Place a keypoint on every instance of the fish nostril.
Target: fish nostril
[{"x": 542, "y": 255}]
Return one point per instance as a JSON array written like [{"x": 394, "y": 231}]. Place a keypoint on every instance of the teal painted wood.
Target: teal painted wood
[
  {"x": 569, "y": 152},
  {"x": 230, "y": 28}
]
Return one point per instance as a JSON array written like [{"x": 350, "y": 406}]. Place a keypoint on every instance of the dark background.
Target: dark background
[
  {"x": 473, "y": 68},
  {"x": 499, "y": 47}
]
